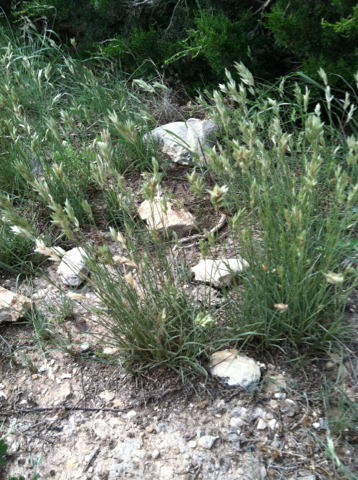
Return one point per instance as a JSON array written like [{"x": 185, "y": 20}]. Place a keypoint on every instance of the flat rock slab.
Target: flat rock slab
[
  {"x": 175, "y": 138},
  {"x": 179, "y": 221},
  {"x": 235, "y": 370},
  {"x": 218, "y": 272},
  {"x": 12, "y": 305},
  {"x": 73, "y": 267}
]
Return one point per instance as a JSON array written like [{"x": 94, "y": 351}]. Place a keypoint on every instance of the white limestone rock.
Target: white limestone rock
[
  {"x": 261, "y": 425},
  {"x": 107, "y": 396},
  {"x": 12, "y": 305},
  {"x": 73, "y": 267},
  {"x": 235, "y": 370},
  {"x": 218, "y": 272},
  {"x": 205, "y": 294},
  {"x": 176, "y": 138},
  {"x": 179, "y": 221},
  {"x": 207, "y": 441}
]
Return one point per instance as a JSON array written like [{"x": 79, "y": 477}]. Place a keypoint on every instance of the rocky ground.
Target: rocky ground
[{"x": 89, "y": 419}]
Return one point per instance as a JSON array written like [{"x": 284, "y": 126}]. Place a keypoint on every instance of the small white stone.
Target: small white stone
[
  {"x": 236, "y": 422},
  {"x": 235, "y": 370},
  {"x": 73, "y": 267},
  {"x": 65, "y": 375},
  {"x": 207, "y": 441},
  {"x": 218, "y": 272},
  {"x": 85, "y": 346},
  {"x": 174, "y": 137},
  {"x": 131, "y": 414},
  {"x": 233, "y": 437},
  {"x": 273, "y": 424},
  {"x": 192, "y": 444},
  {"x": 279, "y": 395},
  {"x": 39, "y": 294},
  {"x": 106, "y": 396},
  {"x": 261, "y": 425},
  {"x": 155, "y": 454},
  {"x": 316, "y": 425},
  {"x": 258, "y": 412},
  {"x": 12, "y": 305},
  {"x": 179, "y": 221}
]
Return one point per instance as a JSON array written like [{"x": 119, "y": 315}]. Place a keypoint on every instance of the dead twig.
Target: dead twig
[
  {"x": 197, "y": 473},
  {"x": 91, "y": 460},
  {"x": 67, "y": 409},
  {"x": 261, "y": 9},
  {"x": 217, "y": 227}
]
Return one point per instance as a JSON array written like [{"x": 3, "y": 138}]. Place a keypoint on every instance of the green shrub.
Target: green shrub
[
  {"x": 300, "y": 27},
  {"x": 55, "y": 149}
]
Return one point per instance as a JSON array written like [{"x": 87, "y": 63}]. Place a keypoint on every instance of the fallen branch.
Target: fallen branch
[
  {"x": 59, "y": 409},
  {"x": 217, "y": 227},
  {"x": 91, "y": 409}
]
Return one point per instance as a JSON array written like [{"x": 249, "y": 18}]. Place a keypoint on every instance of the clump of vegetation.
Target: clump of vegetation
[
  {"x": 16, "y": 253},
  {"x": 284, "y": 171},
  {"x": 294, "y": 206},
  {"x": 204, "y": 37}
]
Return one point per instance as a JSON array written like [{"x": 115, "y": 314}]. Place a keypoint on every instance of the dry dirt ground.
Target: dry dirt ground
[{"x": 89, "y": 419}]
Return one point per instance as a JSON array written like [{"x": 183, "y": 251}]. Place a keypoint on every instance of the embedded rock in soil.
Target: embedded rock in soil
[
  {"x": 218, "y": 272},
  {"x": 179, "y": 221},
  {"x": 274, "y": 384},
  {"x": 73, "y": 267},
  {"x": 207, "y": 441},
  {"x": 176, "y": 138},
  {"x": 235, "y": 370},
  {"x": 106, "y": 396},
  {"x": 207, "y": 295},
  {"x": 12, "y": 305}
]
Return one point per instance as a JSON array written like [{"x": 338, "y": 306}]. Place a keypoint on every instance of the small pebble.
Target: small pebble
[
  {"x": 232, "y": 437},
  {"x": 85, "y": 346},
  {"x": 155, "y": 454},
  {"x": 261, "y": 425},
  {"x": 131, "y": 414},
  {"x": 207, "y": 441},
  {"x": 236, "y": 422},
  {"x": 273, "y": 424},
  {"x": 192, "y": 444}
]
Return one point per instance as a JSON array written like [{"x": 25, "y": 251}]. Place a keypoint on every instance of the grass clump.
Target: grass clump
[
  {"x": 294, "y": 208},
  {"x": 53, "y": 109},
  {"x": 277, "y": 171}
]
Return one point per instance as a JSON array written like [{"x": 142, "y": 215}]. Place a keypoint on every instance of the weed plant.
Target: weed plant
[
  {"x": 16, "y": 253},
  {"x": 295, "y": 207},
  {"x": 279, "y": 167},
  {"x": 52, "y": 111}
]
